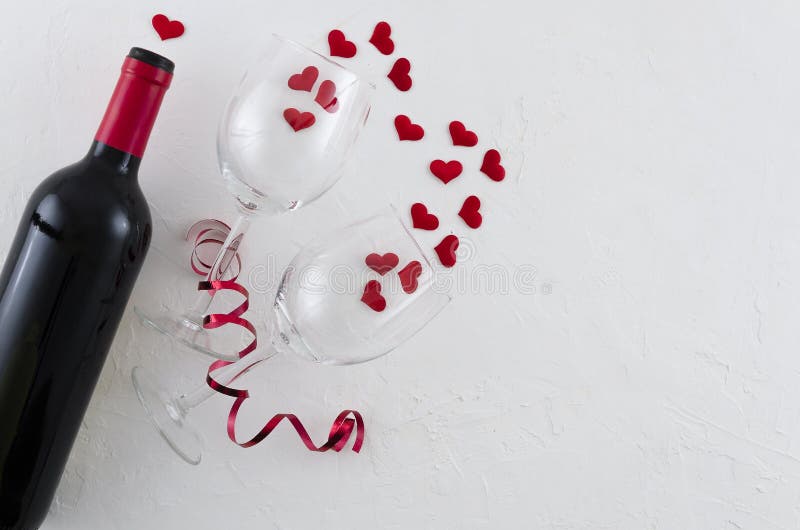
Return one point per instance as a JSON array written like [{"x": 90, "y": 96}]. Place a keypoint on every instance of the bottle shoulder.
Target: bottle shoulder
[
  {"x": 87, "y": 198},
  {"x": 87, "y": 183}
]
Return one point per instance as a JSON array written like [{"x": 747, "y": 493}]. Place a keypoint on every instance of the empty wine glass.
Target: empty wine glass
[
  {"x": 282, "y": 142},
  {"x": 346, "y": 298}
]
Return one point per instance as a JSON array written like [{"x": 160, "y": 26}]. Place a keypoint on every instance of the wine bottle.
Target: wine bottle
[{"x": 66, "y": 281}]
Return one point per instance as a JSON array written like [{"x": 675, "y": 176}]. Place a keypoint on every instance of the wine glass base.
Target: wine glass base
[
  {"x": 166, "y": 417},
  {"x": 186, "y": 331}
]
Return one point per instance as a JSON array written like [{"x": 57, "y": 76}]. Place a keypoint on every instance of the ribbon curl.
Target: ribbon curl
[{"x": 211, "y": 231}]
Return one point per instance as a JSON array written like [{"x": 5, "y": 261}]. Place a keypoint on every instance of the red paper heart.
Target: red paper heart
[
  {"x": 469, "y": 212},
  {"x": 326, "y": 96},
  {"x": 446, "y": 250},
  {"x": 399, "y": 74},
  {"x": 298, "y": 120},
  {"x": 491, "y": 165},
  {"x": 340, "y": 46},
  {"x": 446, "y": 171},
  {"x": 166, "y": 28},
  {"x": 381, "y": 38},
  {"x": 420, "y": 218},
  {"x": 409, "y": 276},
  {"x": 461, "y": 136},
  {"x": 304, "y": 81},
  {"x": 372, "y": 296},
  {"x": 382, "y": 264},
  {"x": 406, "y": 130}
]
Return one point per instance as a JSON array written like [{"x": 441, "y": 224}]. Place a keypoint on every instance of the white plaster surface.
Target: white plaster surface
[{"x": 645, "y": 376}]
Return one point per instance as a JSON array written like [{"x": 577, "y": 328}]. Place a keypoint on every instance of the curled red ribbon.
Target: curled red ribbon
[
  {"x": 210, "y": 231},
  {"x": 204, "y": 233}
]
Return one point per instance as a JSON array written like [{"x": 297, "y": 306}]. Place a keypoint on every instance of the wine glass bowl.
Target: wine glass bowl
[
  {"x": 267, "y": 164},
  {"x": 319, "y": 310}
]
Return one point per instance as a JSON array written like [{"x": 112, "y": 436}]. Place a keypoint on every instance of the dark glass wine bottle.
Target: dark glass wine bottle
[{"x": 64, "y": 287}]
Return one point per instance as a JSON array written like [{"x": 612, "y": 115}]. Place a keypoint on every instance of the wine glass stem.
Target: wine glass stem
[
  {"x": 224, "y": 375},
  {"x": 226, "y": 255}
]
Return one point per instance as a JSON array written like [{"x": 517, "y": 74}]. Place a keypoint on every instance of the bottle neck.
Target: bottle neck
[
  {"x": 133, "y": 108},
  {"x": 116, "y": 161}
]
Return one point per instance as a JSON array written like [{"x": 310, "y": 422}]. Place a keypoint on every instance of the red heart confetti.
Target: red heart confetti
[
  {"x": 372, "y": 296},
  {"x": 381, "y": 38},
  {"x": 409, "y": 276},
  {"x": 399, "y": 74},
  {"x": 420, "y": 218},
  {"x": 446, "y": 250},
  {"x": 304, "y": 81},
  {"x": 446, "y": 171},
  {"x": 326, "y": 96},
  {"x": 462, "y": 136},
  {"x": 406, "y": 130},
  {"x": 491, "y": 166},
  {"x": 166, "y": 28},
  {"x": 382, "y": 264},
  {"x": 298, "y": 120},
  {"x": 469, "y": 212},
  {"x": 340, "y": 46}
]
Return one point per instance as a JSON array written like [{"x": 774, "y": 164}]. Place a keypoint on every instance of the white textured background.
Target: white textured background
[{"x": 647, "y": 377}]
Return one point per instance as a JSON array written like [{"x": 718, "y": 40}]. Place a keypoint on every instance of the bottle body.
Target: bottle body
[{"x": 64, "y": 286}]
